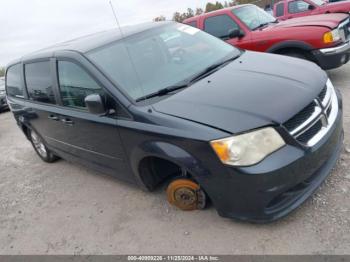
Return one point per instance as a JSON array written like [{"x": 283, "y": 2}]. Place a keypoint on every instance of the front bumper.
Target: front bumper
[
  {"x": 279, "y": 184},
  {"x": 330, "y": 58}
]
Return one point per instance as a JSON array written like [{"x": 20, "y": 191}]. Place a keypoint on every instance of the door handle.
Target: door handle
[
  {"x": 54, "y": 118},
  {"x": 67, "y": 121}
]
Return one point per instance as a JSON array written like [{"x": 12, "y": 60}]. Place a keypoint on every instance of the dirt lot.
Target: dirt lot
[{"x": 63, "y": 208}]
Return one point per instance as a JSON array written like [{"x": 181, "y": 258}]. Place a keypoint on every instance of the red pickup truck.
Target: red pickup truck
[
  {"x": 287, "y": 9},
  {"x": 323, "y": 39}
]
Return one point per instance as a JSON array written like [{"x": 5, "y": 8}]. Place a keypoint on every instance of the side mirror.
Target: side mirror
[
  {"x": 233, "y": 33},
  {"x": 95, "y": 104},
  {"x": 311, "y": 7}
]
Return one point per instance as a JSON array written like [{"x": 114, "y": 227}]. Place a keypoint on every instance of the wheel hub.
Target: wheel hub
[{"x": 186, "y": 195}]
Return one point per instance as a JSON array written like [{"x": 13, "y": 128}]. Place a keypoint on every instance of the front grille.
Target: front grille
[
  {"x": 347, "y": 30},
  {"x": 301, "y": 117},
  {"x": 310, "y": 133},
  {"x": 344, "y": 29},
  {"x": 311, "y": 123},
  {"x": 322, "y": 95}
]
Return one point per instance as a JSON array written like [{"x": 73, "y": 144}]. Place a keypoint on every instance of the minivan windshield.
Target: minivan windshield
[
  {"x": 253, "y": 17},
  {"x": 160, "y": 58}
]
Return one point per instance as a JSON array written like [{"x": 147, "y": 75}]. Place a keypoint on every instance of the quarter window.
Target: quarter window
[
  {"x": 298, "y": 7},
  {"x": 13, "y": 82},
  {"x": 280, "y": 10},
  {"x": 75, "y": 84},
  {"x": 39, "y": 82},
  {"x": 220, "y": 26}
]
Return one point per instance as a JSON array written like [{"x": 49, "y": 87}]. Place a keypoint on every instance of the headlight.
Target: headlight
[
  {"x": 331, "y": 36},
  {"x": 248, "y": 149}
]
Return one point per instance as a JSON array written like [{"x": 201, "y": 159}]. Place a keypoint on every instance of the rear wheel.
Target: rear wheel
[
  {"x": 43, "y": 152},
  {"x": 186, "y": 195}
]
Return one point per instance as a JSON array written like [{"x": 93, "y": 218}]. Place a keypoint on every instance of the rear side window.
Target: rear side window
[
  {"x": 75, "y": 84},
  {"x": 280, "y": 9},
  {"x": 39, "y": 83},
  {"x": 193, "y": 24},
  {"x": 297, "y": 7},
  {"x": 219, "y": 26},
  {"x": 13, "y": 82}
]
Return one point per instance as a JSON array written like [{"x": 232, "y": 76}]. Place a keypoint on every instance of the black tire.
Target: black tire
[
  {"x": 40, "y": 148},
  {"x": 297, "y": 55}
]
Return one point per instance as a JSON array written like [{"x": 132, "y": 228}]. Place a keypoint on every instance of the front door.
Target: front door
[
  {"x": 91, "y": 139},
  {"x": 221, "y": 25}
]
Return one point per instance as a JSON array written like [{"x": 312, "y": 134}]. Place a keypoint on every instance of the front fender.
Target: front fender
[{"x": 166, "y": 151}]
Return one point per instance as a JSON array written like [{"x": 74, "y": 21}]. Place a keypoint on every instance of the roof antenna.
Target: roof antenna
[
  {"x": 115, "y": 15},
  {"x": 126, "y": 48}
]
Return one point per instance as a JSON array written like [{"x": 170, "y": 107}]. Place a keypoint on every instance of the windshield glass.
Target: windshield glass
[
  {"x": 318, "y": 2},
  {"x": 149, "y": 61},
  {"x": 253, "y": 16}
]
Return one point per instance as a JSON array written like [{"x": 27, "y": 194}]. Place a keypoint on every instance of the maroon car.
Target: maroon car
[
  {"x": 323, "y": 39},
  {"x": 287, "y": 9}
]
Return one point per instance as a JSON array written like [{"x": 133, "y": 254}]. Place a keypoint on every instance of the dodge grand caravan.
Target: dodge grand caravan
[{"x": 254, "y": 133}]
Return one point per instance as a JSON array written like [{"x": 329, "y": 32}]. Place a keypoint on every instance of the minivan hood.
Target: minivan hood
[
  {"x": 325, "y": 20},
  {"x": 255, "y": 90}
]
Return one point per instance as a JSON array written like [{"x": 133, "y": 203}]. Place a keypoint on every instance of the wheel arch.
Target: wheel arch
[
  {"x": 25, "y": 129},
  {"x": 166, "y": 153},
  {"x": 277, "y": 48}
]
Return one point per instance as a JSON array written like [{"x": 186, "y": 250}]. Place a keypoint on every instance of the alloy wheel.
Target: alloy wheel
[{"x": 38, "y": 144}]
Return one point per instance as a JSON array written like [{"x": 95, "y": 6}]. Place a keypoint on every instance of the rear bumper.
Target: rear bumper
[
  {"x": 282, "y": 182},
  {"x": 330, "y": 58}
]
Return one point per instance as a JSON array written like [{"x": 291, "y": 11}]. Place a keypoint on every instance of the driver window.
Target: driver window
[
  {"x": 298, "y": 7},
  {"x": 220, "y": 26},
  {"x": 75, "y": 84}
]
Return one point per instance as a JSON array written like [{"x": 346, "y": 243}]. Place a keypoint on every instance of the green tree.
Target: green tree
[
  {"x": 2, "y": 71},
  {"x": 180, "y": 17},
  {"x": 212, "y": 7},
  {"x": 177, "y": 17},
  {"x": 190, "y": 13},
  {"x": 232, "y": 3},
  {"x": 159, "y": 18},
  {"x": 199, "y": 11}
]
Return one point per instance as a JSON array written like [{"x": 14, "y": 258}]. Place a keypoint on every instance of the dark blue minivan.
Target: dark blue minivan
[{"x": 165, "y": 103}]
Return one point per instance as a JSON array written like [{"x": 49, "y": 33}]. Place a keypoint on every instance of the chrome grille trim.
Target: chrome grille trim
[
  {"x": 326, "y": 111},
  {"x": 327, "y": 99},
  {"x": 298, "y": 131},
  {"x": 331, "y": 119},
  {"x": 344, "y": 30}
]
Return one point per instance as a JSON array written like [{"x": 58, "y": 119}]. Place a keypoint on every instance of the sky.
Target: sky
[{"x": 29, "y": 25}]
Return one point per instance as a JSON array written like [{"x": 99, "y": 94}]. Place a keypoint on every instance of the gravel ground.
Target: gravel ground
[{"x": 63, "y": 208}]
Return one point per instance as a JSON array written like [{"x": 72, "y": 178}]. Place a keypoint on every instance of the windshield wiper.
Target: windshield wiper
[
  {"x": 187, "y": 83},
  {"x": 260, "y": 26},
  {"x": 163, "y": 91},
  {"x": 211, "y": 69}
]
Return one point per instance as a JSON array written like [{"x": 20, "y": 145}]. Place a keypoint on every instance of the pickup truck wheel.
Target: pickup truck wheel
[
  {"x": 186, "y": 195},
  {"x": 38, "y": 144},
  {"x": 297, "y": 55}
]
